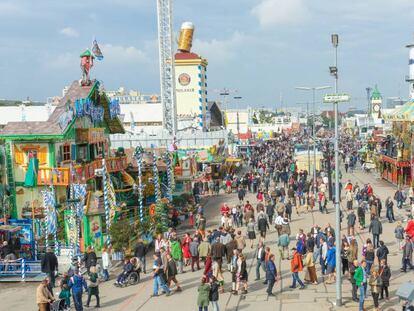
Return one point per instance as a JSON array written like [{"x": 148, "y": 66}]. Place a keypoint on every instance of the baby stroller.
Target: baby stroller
[
  {"x": 134, "y": 276},
  {"x": 58, "y": 305}
]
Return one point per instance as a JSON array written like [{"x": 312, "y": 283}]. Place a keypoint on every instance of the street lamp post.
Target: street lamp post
[
  {"x": 307, "y": 133},
  {"x": 238, "y": 98},
  {"x": 313, "y": 89},
  {"x": 334, "y": 73}
]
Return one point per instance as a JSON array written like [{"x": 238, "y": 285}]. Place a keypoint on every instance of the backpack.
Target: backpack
[{"x": 300, "y": 247}]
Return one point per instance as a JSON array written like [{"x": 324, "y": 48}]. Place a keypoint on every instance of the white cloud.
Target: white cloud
[
  {"x": 219, "y": 50},
  {"x": 63, "y": 61},
  {"x": 69, "y": 32},
  {"x": 123, "y": 54},
  {"x": 280, "y": 12},
  {"x": 11, "y": 8}
]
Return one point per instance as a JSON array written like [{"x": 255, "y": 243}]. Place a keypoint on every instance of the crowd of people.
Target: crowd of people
[{"x": 280, "y": 190}]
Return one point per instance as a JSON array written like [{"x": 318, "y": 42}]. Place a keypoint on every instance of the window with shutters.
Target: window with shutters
[{"x": 66, "y": 153}]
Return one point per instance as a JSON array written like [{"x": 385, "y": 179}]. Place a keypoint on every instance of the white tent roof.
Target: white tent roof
[
  {"x": 31, "y": 113},
  {"x": 141, "y": 112}
]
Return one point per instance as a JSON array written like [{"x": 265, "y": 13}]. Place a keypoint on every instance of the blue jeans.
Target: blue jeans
[
  {"x": 144, "y": 263},
  {"x": 295, "y": 278},
  {"x": 215, "y": 305},
  {"x": 159, "y": 282},
  {"x": 323, "y": 265},
  {"x": 368, "y": 267},
  {"x": 105, "y": 274},
  {"x": 258, "y": 264},
  {"x": 361, "y": 298},
  {"x": 77, "y": 300}
]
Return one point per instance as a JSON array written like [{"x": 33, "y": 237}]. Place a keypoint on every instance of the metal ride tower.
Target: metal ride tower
[{"x": 167, "y": 72}]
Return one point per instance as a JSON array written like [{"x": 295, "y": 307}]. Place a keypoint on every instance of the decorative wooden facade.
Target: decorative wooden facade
[{"x": 69, "y": 146}]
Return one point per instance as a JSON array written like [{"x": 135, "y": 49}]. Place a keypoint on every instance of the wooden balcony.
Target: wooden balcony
[
  {"x": 114, "y": 164},
  {"x": 61, "y": 176},
  {"x": 53, "y": 176}
]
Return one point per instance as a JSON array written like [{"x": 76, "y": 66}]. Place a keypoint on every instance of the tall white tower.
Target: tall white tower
[
  {"x": 410, "y": 77},
  {"x": 167, "y": 72}
]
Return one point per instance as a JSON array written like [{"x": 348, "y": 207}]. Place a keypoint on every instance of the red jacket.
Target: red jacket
[
  {"x": 296, "y": 264},
  {"x": 410, "y": 229},
  {"x": 207, "y": 265},
  {"x": 224, "y": 210}
]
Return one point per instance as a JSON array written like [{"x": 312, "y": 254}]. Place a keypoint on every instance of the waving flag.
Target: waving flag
[{"x": 97, "y": 51}]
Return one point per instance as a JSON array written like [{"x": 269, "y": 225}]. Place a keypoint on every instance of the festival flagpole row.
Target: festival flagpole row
[
  {"x": 138, "y": 157},
  {"x": 156, "y": 179},
  {"x": 106, "y": 201},
  {"x": 170, "y": 176}
]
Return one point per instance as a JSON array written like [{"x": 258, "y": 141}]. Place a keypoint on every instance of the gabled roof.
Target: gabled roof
[{"x": 51, "y": 127}]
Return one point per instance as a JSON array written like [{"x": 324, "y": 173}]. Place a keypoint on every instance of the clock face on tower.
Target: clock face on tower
[{"x": 376, "y": 107}]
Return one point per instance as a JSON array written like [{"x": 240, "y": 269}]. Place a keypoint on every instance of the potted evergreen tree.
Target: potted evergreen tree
[{"x": 121, "y": 233}]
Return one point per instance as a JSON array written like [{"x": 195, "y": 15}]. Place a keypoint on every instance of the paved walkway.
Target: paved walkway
[{"x": 314, "y": 297}]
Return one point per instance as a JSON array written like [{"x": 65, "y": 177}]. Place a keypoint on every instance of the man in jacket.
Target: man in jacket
[
  {"x": 331, "y": 264},
  {"x": 283, "y": 246},
  {"x": 89, "y": 258},
  {"x": 218, "y": 250},
  {"x": 43, "y": 296},
  {"x": 260, "y": 259},
  {"x": 230, "y": 247},
  {"x": 385, "y": 274},
  {"x": 382, "y": 251},
  {"x": 177, "y": 254},
  {"x": 376, "y": 228},
  {"x": 351, "y": 219},
  {"x": 360, "y": 278},
  {"x": 324, "y": 253},
  {"x": 195, "y": 259},
  {"x": 204, "y": 249},
  {"x": 140, "y": 252},
  {"x": 270, "y": 210},
  {"x": 171, "y": 273},
  {"x": 241, "y": 241},
  {"x": 296, "y": 266},
  {"x": 262, "y": 224},
  {"x": 77, "y": 283},
  {"x": 158, "y": 277},
  {"x": 49, "y": 265},
  {"x": 352, "y": 268},
  {"x": 271, "y": 274},
  {"x": 407, "y": 254}
]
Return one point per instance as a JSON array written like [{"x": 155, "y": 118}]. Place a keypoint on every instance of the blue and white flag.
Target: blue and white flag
[{"x": 97, "y": 51}]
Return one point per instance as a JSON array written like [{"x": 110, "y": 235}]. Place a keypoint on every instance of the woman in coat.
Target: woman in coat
[
  {"x": 214, "y": 293},
  {"x": 93, "y": 287},
  {"x": 241, "y": 274},
  {"x": 375, "y": 283},
  {"x": 385, "y": 274},
  {"x": 310, "y": 276},
  {"x": 203, "y": 295},
  {"x": 251, "y": 233}
]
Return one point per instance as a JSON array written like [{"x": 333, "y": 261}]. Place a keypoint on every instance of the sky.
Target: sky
[{"x": 259, "y": 49}]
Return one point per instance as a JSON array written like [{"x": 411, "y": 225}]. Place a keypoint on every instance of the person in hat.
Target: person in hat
[
  {"x": 49, "y": 265},
  {"x": 43, "y": 296}
]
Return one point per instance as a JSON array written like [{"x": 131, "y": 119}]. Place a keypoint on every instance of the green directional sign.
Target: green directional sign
[{"x": 336, "y": 98}]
